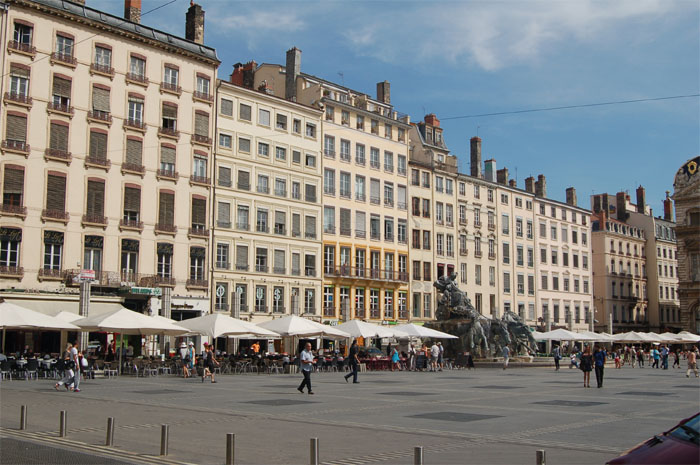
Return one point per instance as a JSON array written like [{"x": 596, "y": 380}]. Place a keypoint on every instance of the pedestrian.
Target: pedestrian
[
  {"x": 640, "y": 357},
  {"x": 190, "y": 360},
  {"x": 656, "y": 356},
  {"x": 412, "y": 358},
  {"x": 664, "y": 357},
  {"x": 692, "y": 358},
  {"x": 76, "y": 361},
  {"x": 354, "y": 363},
  {"x": 626, "y": 356},
  {"x": 633, "y": 357},
  {"x": 599, "y": 359},
  {"x": 307, "y": 364},
  {"x": 68, "y": 373},
  {"x": 676, "y": 359},
  {"x": 556, "y": 354},
  {"x": 506, "y": 356},
  {"x": 388, "y": 350},
  {"x": 440, "y": 355},
  {"x": 617, "y": 359},
  {"x": 573, "y": 361},
  {"x": 209, "y": 362},
  {"x": 586, "y": 366},
  {"x": 395, "y": 359},
  {"x": 434, "y": 354}
]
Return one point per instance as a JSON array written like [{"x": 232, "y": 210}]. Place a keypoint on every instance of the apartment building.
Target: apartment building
[
  {"x": 365, "y": 232},
  {"x": 106, "y": 138},
  {"x": 266, "y": 240}
]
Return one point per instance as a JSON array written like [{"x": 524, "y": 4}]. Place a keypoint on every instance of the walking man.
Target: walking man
[
  {"x": 354, "y": 364},
  {"x": 692, "y": 359},
  {"x": 664, "y": 357},
  {"x": 76, "y": 361},
  {"x": 440, "y": 356},
  {"x": 599, "y": 359},
  {"x": 412, "y": 358},
  {"x": 307, "y": 364},
  {"x": 656, "y": 357},
  {"x": 506, "y": 356},
  {"x": 434, "y": 354},
  {"x": 556, "y": 352}
]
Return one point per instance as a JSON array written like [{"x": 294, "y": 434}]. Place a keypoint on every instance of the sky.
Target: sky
[{"x": 466, "y": 58}]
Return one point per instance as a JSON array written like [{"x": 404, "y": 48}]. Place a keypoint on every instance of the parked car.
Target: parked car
[
  {"x": 370, "y": 352},
  {"x": 679, "y": 445}
]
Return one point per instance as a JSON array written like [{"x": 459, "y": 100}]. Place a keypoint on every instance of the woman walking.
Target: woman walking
[
  {"x": 188, "y": 361},
  {"x": 209, "y": 362},
  {"x": 587, "y": 366},
  {"x": 68, "y": 373},
  {"x": 676, "y": 359},
  {"x": 395, "y": 359}
]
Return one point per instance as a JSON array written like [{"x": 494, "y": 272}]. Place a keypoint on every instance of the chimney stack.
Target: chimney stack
[
  {"x": 541, "y": 186},
  {"x": 621, "y": 205},
  {"x": 384, "y": 92},
  {"x": 502, "y": 176},
  {"x": 475, "y": 145},
  {"x": 571, "y": 196},
  {"x": 512, "y": 183},
  {"x": 489, "y": 169},
  {"x": 292, "y": 70},
  {"x": 194, "y": 23},
  {"x": 132, "y": 10},
  {"x": 244, "y": 75},
  {"x": 530, "y": 184},
  {"x": 668, "y": 207},
  {"x": 641, "y": 198},
  {"x": 431, "y": 119}
]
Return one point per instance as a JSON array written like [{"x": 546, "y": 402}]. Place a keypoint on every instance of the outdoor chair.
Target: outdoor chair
[
  {"x": 149, "y": 369},
  {"x": 276, "y": 366},
  {"x": 17, "y": 369},
  {"x": 109, "y": 370},
  {"x": 31, "y": 369},
  {"x": 5, "y": 369}
]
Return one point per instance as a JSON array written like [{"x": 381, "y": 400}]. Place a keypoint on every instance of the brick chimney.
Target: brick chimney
[
  {"x": 541, "y": 186},
  {"x": 292, "y": 70},
  {"x": 668, "y": 207},
  {"x": 431, "y": 119},
  {"x": 132, "y": 10},
  {"x": 621, "y": 206},
  {"x": 512, "y": 183},
  {"x": 641, "y": 199},
  {"x": 244, "y": 75},
  {"x": 530, "y": 184},
  {"x": 475, "y": 156},
  {"x": 571, "y": 196},
  {"x": 194, "y": 23},
  {"x": 502, "y": 176},
  {"x": 489, "y": 170},
  {"x": 384, "y": 92}
]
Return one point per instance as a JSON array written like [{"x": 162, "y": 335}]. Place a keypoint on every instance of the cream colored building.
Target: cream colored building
[
  {"x": 267, "y": 233},
  {"x": 106, "y": 141},
  {"x": 365, "y": 237}
]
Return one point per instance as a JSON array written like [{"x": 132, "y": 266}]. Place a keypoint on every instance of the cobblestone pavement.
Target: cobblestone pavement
[{"x": 459, "y": 417}]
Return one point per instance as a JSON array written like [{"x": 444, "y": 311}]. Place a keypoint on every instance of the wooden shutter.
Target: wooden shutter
[
  {"x": 345, "y": 221},
  {"x": 241, "y": 255},
  {"x": 280, "y": 218},
  {"x": 59, "y": 137},
  {"x": 199, "y": 212},
  {"x": 401, "y": 195},
  {"x": 19, "y": 71},
  {"x": 61, "y": 87},
  {"x": 134, "y": 149},
  {"x": 95, "y": 198},
  {"x": 279, "y": 260},
  {"x": 169, "y": 111},
  {"x": 56, "y": 192},
  {"x": 311, "y": 225},
  {"x": 310, "y": 191},
  {"x": 16, "y": 128},
  {"x": 224, "y": 176},
  {"x": 13, "y": 182},
  {"x": 224, "y": 212},
  {"x": 166, "y": 208},
  {"x": 98, "y": 145},
  {"x": 243, "y": 179},
  {"x": 360, "y": 221},
  {"x": 100, "y": 99},
  {"x": 296, "y": 262},
  {"x": 167, "y": 155},
  {"x": 201, "y": 124},
  {"x": 132, "y": 199},
  {"x": 296, "y": 224},
  {"x": 374, "y": 189},
  {"x": 226, "y": 107}
]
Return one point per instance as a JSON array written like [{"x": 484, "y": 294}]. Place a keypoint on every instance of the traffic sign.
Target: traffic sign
[{"x": 86, "y": 275}]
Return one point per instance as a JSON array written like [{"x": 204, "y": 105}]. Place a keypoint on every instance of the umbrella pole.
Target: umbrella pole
[
  {"x": 3, "y": 340},
  {"x": 121, "y": 351}
]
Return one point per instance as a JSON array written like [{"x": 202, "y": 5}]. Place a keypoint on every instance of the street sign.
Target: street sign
[
  {"x": 86, "y": 275},
  {"x": 154, "y": 291},
  {"x": 220, "y": 291}
]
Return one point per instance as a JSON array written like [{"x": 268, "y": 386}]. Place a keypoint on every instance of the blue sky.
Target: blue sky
[{"x": 456, "y": 58}]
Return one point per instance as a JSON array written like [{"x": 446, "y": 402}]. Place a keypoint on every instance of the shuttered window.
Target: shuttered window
[
  {"x": 360, "y": 223},
  {"x": 279, "y": 261},
  {"x": 166, "y": 209},
  {"x": 56, "y": 192},
  {"x": 16, "y": 129},
  {"x": 241, "y": 256},
  {"x": 61, "y": 87},
  {"x": 95, "y": 198},
  {"x": 13, "y": 186},
  {"x": 98, "y": 145},
  {"x": 226, "y": 107},
  {"x": 201, "y": 124},
  {"x": 280, "y": 221},
  {"x": 224, "y": 176},
  {"x": 243, "y": 180},
  {"x": 19, "y": 71},
  {"x": 59, "y": 137},
  {"x": 134, "y": 150},
  {"x": 296, "y": 224},
  {"x": 132, "y": 200},
  {"x": 100, "y": 99},
  {"x": 374, "y": 190},
  {"x": 401, "y": 196},
  {"x": 167, "y": 158},
  {"x": 345, "y": 221},
  {"x": 169, "y": 111},
  {"x": 224, "y": 214},
  {"x": 199, "y": 213},
  {"x": 310, "y": 226},
  {"x": 310, "y": 192}
]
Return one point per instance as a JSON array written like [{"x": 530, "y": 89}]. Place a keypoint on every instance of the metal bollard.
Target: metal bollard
[
  {"x": 164, "y": 434},
  {"x": 313, "y": 451},
  {"x": 62, "y": 427},
  {"x": 109, "y": 441},
  {"x": 541, "y": 458},
  {"x": 230, "y": 445},
  {"x": 418, "y": 455},
  {"x": 23, "y": 418}
]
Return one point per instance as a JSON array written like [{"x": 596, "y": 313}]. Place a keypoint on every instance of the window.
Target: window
[
  {"x": 426, "y": 179},
  {"x": 389, "y": 229},
  {"x": 427, "y": 271},
  {"x": 164, "y": 267},
  {"x": 280, "y": 153},
  {"x": 135, "y": 110},
  {"x": 388, "y": 194},
  {"x": 401, "y": 165},
  {"x": 360, "y": 154},
  {"x": 263, "y": 149},
  {"x": 55, "y": 195},
  {"x": 543, "y": 255},
  {"x": 360, "y": 123},
  {"x": 171, "y": 78},
  {"x": 225, "y": 141},
  {"x": 261, "y": 259},
  {"x": 520, "y": 255},
  {"x": 427, "y": 305},
  {"x": 95, "y": 202},
  {"x": 280, "y": 187},
  {"x": 129, "y": 259},
  {"x": 244, "y": 112},
  {"x": 137, "y": 68},
  {"x": 530, "y": 257},
  {"x": 261, "y": 299},
  {"x": 13, "y": 187},
  {"x": 388, "y": 162},
  {"x": 310, "y": 161},
  {"x": 53, "y": 245},
  {"x": 345, "y": 222},
  {"x": 264, "y": 117},
  {"x": 426, "y": 208},
  {"x": 544, "y": 281},
  {"x": 23, "y": 34},
  {"x": 519, "y": 227},
  {"x": 521, "y": 284},
  {"x": 64, "y": 47},
  {"x": 203, "y": 87},
  {"x": 506, "y": 282},
  {"x": 374, "y": 157},
  {"x": 329, "y": 181},
  {"x": 169, "y": 120},
  {"x": 226, "y": 107},
  {"x": 506, "y": 253},
  {"x": 375, "y": 228},
  {"x": 329, "y": 220},
  {"x": 477, "y": 275},
  {"x": 345, "y": 184},
  {"x": 329, "y": 146},
  {"x": 61, "y": 93},
  {"x": 426, "y": 240},
  {"x": 439, "y": 183},
  {"x": 201, "y": 127},
  {"x": 344, "y": 150},
  {"x": 166, "y": 210},
  {"x": 281, "y": 122},
  {"x": 505, "y": 224},
  {"x": 19, "y": 80},
  {"x": 311, "y": 130},
  {"x": 529, "y": 229}
]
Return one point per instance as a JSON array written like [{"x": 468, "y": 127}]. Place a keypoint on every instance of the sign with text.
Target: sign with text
[{"x": 154, "y": 291}]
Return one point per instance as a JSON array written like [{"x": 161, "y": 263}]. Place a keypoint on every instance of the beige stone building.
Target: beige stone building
[
  {"x": 267, "y": 233},
  {"x": 365, "y": 238},
  {"x": 106, "y": 140}
]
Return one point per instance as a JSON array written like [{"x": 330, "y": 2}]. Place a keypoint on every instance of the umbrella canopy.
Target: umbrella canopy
[
  {"x": 686, "y": 336},
  {"x": 596, "y": 337},
  {"x": 537, "y": 335},
  {"x": 293, "y": 325},
  {"x": 68, "y": 316},
  {"x": 125, "y": 321},
  {"x": 15, "y": 316},
  {"x": 565, "y": 335},
  {"x": 174, "y": 328},
  {"x": 359, "y": 328},
  {"x": 670, "y": 337},
  {"x": 412, "y": 330},
  {"x": 218, "y": 325},
  {"x": 653, "y": 337},
  {"x": 632, "y": 336}
]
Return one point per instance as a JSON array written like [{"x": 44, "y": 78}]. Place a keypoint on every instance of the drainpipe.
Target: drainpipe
[
  {"x": 212, "y": 198},
  {"x": 4, "y": 10}
]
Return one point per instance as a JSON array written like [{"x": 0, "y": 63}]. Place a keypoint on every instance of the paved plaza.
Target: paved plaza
[{"x": 459, "y": 417}]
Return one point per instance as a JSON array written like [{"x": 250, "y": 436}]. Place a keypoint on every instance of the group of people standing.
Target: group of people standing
[
  {"x": 72, "y": 361},
  {"x": 189, "y": 361}
]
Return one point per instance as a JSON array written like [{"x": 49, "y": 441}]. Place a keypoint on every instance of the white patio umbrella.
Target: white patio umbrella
[
  {"x": 670, "y": 337},
  {"x": 217, "y": 324},
  {"x": 412, "y": 330},
  {"x": 632, "y": 336},
  {"x": 70, "y": 317},
  {"x": 596, "y": 337},
  {"x": 562, "y": 334},
  {"x": 13, "y": 316},
  {"x": 687, "y": 337},
  {"x": 537, "y": 335},
  {"x": 293, "y": 325},
  {"x": 359, "y": 328}
]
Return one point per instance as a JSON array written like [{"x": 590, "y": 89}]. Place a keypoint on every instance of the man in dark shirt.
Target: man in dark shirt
[
  {"x": 354, "y": 363},
  {"x": 599, "y": 359}
]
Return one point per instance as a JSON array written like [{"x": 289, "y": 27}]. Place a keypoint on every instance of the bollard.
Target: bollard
[
  {"x": 313, "y": 451},
  {"x": 23, "y": 418},
  {"x": 230, "y": 444},
  {"x": 62, "y": 427},
  {"x": 164, "y": 433},
  {"x": 109, "y": 441},
  {"x": 541, "y": 458},
  {"x": 418, "y": 455}
]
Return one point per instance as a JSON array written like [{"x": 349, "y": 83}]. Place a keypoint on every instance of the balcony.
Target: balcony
[
  {"x": 477, "y": 224},
  {"x": 98, "y": 162},
  {"x": 22, "y": 48},
  {"x": 135, "y": 124},
  {"x": 58, "y": 155},
  {"x": 360, "y": 312},
  {"x": 401, "y": 205},
  {"x": 278, "y": 309},
  {"x": 244, "y": 186},
  {"x": 492, "y": 227},
  {"x": 203, "y": 97},
  {"x": 13, "y": 210},
  {"x": 330, "y": 153},
  {"x": 328, "y": 311},
  {"x": 222, "y": 265},
  {"x": 439, "y": 222},
  {"x": 262, "y": 228},
  {"x": 277, "y": 270},
  {"x": 170, "y": 175},
  {"x": 260, "y": 309},
  {"x": 164, "y": 228},
  {"x": 263, "y": 189},
  {"x": 351, "y": 272},
  {"x": 97, "y": 116},
  {"x": 345, "y": 194},
  {"x": 18, "y": 99},
  {"x": 261, "y": 268},
  {"x": 327, "y": 229},
  {"x": 310, "y": 272},
  {"x": 345, "y": 231},
  {"x": 243, "y": 226},
  {"x": 296, "y": 272},
  {"x": 375, "y": 200},
  {"x": 11, "y": 272},
  {"x": 477, "y": 254},
  {"x": 198, "y": 231},
  {"x": 60, "y": 216},
  {"x": 492, "y": 256},
  {"x": 95, "y": 220},
  {"x": 280, "y": 230},
  {"x": 224, "y": 182},
  {"x": 201, "y": 139},
  {"x": 50, "y": 275},
  {"x": 200, "y": 284},
  {"x": 66, "y": 59},
  {"x": 15, "y": 146},
  {"x": 360, "y": 161},
  {"x": 388, "y": 168},
  {"x": 133, "y": 168},
  {"x": 169, "y": 133},
  {"x": 200, "y": 180},
  {"x": 60, "y": 108},
  {"x": 242, "y": 267},
  {"x": 463, "y": 252},
  {"x": 223, "y": 224},
  {"x": 130, "y": 225},
  {"x": 170, "y": 88},
  {"x": 310, "y": 235},
  {"x": 104, "y": 70},
  {"x": 138, "y": 79},
  {"x": 310, "y": 198},
  {"x": 388, "y": 202},
  {"x": 164, "y": 281},
  {"x": 281, "y": 192}
]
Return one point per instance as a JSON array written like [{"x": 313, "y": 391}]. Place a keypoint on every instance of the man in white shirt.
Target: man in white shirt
[
  {"x": 506, "y": 356},
  {"x": 307, "y": 364},
  {"x": 434, "y": 354},
  {"x": 76, "y": 360}
]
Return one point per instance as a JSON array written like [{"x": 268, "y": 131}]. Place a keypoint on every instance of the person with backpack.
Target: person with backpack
[
  {"x": 209, "y": 362},
  {"x": 68, "y": 373}
]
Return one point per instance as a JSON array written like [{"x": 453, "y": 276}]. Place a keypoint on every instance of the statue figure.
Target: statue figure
[
  {"x": 499, "y": 335},
  {"x": 453, "y": 301},
  {"x": 519, "y": 332}
]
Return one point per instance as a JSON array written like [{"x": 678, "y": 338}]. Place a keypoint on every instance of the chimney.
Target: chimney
[
  {"x": 132, "y": 10},
  {"x": 475, "y": 154},
  {"x": 244, "y": 75},
  {"x": 502, "y": 176},
  {"x": 384, "y": 92},
  {"x": 292, "y": 70},
  {"x": 641, "y": 198},
  {"x": 194, "y": 23},
  {"x": 489, "y": 169},
  {"x": 621, "y": 205},
  {"x": 512, "y": 183},
  {"x": 541, "y": 186},
  {"x": 571, "y": 196},
  {"x": 530, "y": 184},
  {"x": 668, "y": 207},
  {"x": 431, "y": 119}
]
